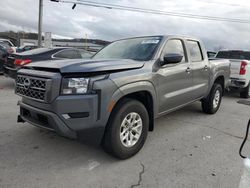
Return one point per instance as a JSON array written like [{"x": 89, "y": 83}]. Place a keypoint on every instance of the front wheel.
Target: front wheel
[
  {"x": 211, "y": 103},
  {"x": 246, "y": 92},
  {"x": 127, "y": 129}
]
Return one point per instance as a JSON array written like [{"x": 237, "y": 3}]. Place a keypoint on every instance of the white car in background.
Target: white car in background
[
  {"x": 240, "y": 69},
  {"x": 9, "y": 43}
]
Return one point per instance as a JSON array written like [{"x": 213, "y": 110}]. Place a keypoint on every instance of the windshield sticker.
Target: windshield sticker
[{"x": 150, "y": 42}]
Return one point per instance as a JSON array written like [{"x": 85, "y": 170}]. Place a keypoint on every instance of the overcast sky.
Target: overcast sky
[{"x": 109, "y": 24}]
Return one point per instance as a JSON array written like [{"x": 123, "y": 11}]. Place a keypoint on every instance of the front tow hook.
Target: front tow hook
[{"x": 20, "y": 119}]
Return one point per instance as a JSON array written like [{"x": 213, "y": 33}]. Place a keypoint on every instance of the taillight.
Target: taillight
[
  {"x": 243, "y": 68},
  {"x": 22, "y": 62}
]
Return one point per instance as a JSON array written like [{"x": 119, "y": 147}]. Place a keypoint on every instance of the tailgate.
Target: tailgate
[{"x": 235, "y": 68}]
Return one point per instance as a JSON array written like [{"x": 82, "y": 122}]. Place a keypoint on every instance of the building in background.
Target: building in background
[
  {"x": 23, "y": 38},
  {"x": 91, "y": 45}
]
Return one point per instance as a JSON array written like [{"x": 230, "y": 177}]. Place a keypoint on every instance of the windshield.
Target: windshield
[
  {"x": 5, "y": 45},
  {"x": 141, "y": 49},
  {"x": 6, "y": 42},
  {"x": 234, "y": 55}
]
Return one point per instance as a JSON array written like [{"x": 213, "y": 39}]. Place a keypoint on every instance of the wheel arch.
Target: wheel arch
[
  {"x": 220, "y": 79},
  {"x": 142, "y": 91}
]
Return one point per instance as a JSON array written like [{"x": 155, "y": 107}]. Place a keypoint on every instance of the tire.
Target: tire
[
  {"x": 112, "y": 142},
  {"x": 211, "y": 104},
  {"x": 246, "y": 92}
]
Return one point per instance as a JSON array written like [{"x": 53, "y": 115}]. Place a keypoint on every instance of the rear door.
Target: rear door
[
  {"x": 174, "y": 80},
  {"x": 200, "y": 69}
]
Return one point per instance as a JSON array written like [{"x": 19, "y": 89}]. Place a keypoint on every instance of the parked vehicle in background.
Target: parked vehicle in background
[
  {"x": 3, "y": 58},
  {"x": 6, "y": 47},
  {"x": 25, "y": 48},
  {"x": 114, "y": 97},
  {"x": 211, "y": 54},
  {"x": 86, "y": 54},
  {"x": 16, "y": 61},
  {"x": 9, "y": 43},
  {"x": 240, "y": 70}
]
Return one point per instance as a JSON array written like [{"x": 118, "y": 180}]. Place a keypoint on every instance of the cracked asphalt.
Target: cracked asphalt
[{"x": 187, "y": 149}]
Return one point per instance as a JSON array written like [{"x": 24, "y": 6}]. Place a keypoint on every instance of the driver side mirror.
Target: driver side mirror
[{"x": 172, "y": 58}]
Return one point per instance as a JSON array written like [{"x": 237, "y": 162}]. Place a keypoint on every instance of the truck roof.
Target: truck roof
[{"x": 162, "y": 36}]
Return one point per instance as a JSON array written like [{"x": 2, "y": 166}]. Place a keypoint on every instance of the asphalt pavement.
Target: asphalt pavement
[{"x": 188, "y": 149}]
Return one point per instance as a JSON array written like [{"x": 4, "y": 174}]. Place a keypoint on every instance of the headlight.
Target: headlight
[{"x": 71, "y": 86}]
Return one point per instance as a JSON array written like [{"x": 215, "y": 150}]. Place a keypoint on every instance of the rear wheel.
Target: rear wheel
[
  {"x": 246, "y": 92},
  {"x": 211, "y": 104},
  {"x": 127, "y": 129}
]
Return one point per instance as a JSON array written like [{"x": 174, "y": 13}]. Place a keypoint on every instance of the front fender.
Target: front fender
[{"x": 136, "y": 87}]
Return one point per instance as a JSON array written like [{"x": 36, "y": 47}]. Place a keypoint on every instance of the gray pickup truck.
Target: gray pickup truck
[{"x": 113, "y": 98}]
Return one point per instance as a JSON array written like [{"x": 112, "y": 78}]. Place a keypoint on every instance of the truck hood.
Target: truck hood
[{"x": 87, "y": 66}]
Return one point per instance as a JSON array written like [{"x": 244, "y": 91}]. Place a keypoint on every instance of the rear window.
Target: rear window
[
  {"x": 195, "y": 51},
  {"x": 2, "y": 52},
  {"x": 68, "y": 54},
  {"x": 85, "y": 54},
  {"x": 233, "y": 55},
  {"x": 6, "y": 43}
]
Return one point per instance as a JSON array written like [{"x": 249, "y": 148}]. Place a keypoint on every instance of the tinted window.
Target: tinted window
[
  {"x": 5, "y": 45},
  {"x": 2, "y": 52},
  {"x": 37, "y": 51},
  {"x": 233, "y": 55},
  {"x": 68, "y": 54},
  {"x": 3, "y": 49},
  {"x": 223, "y": 54},
  {"x": 194, "y": 50},
  {"x": 141, "y": 49},
  {"x": 211, "y": 54},
  {"x": 174, "y": 46},
  {"x": 27, "y": 48},
  {"x": 85, "y": 54}
]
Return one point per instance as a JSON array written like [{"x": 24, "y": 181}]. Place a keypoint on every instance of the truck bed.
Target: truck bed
[{"x": 237, "y": 60}]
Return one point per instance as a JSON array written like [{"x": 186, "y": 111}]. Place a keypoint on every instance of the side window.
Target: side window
[
  {"x": 67, "y": 54},
  {"x": 195, "y": 51},
  {"x": 85, "y": 54},
  {"x": 174, "y": 46},
  {"x": 26, "y": 48}
]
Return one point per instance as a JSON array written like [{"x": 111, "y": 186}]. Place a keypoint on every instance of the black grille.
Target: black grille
[{"x": 31, "y": 87}]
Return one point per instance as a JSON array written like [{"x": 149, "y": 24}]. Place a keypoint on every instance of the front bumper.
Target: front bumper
[
  {"x": 44, "y": 119},
  {"x": 69, "y": 116}
]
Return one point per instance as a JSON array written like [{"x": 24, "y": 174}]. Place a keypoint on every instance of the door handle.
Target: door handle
[
  {"x": 206, "y": 68},
  {"x": 188, "y": 70}
]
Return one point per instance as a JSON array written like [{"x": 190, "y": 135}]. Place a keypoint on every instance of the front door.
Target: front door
[{"x": 174, "y": 80}]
